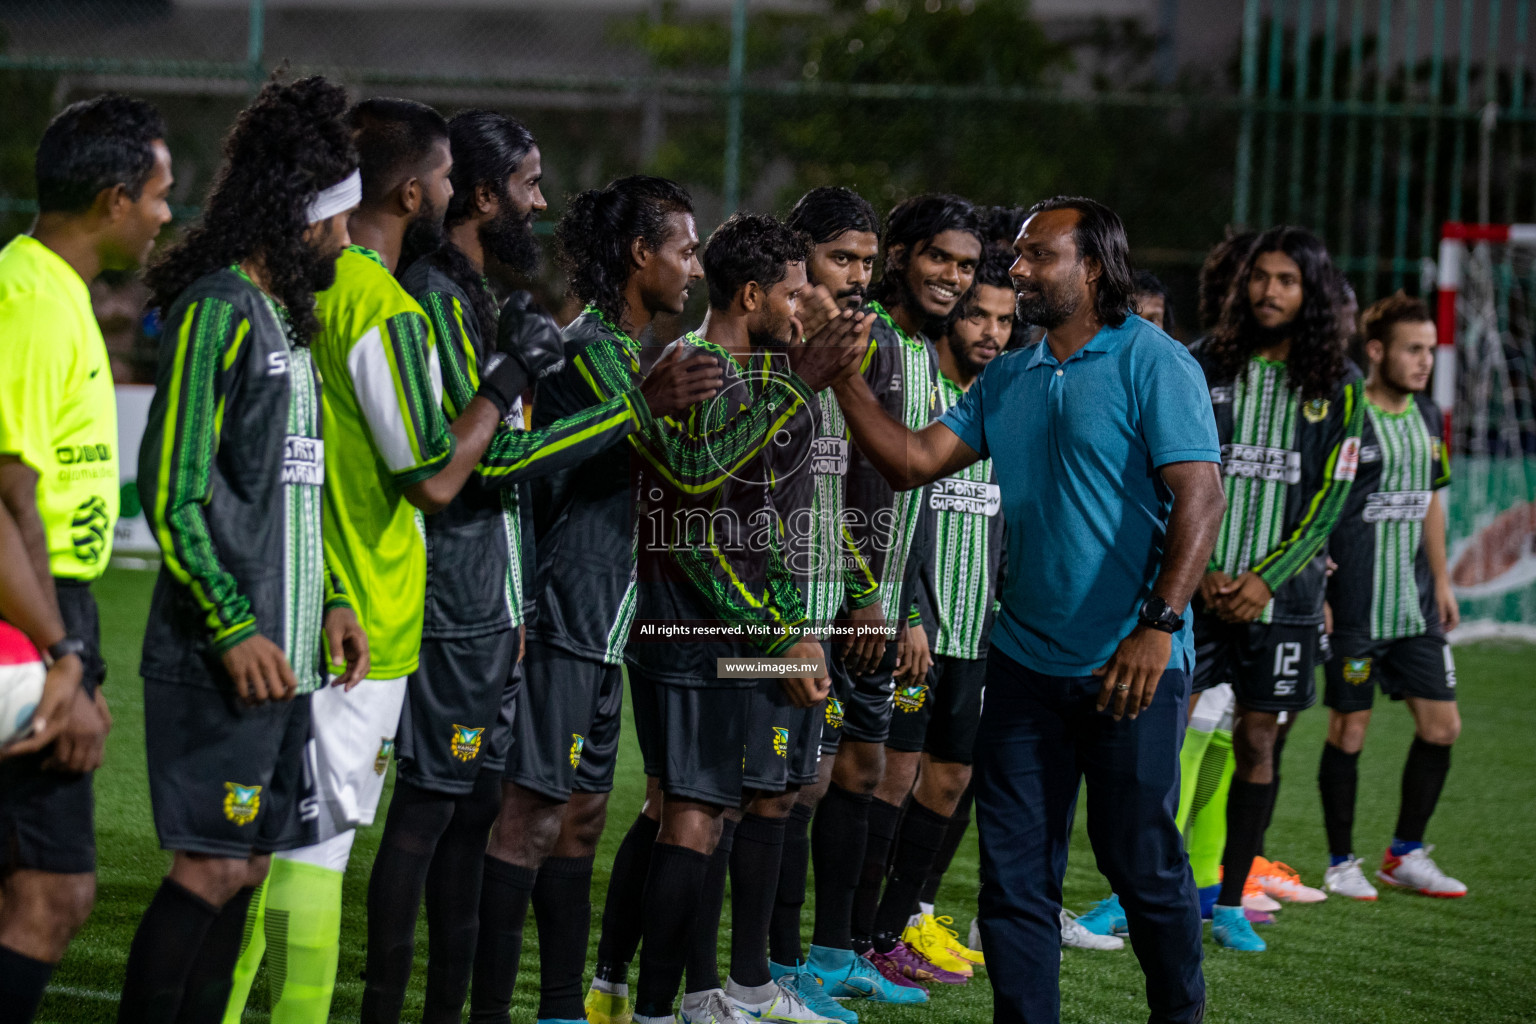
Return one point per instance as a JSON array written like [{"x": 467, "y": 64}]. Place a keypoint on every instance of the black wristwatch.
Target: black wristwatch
[
  {"x": 63, "y": 649},
  {"x": 1156, "y": 614}
]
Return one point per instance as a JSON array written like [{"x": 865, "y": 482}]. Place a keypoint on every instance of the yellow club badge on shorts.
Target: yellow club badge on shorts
[
  {"x": 910, "y": 699},
  {"x": 1357, "y": 670},
  {"x": 781, "y": 741},
  {"x": 1316, "y": 410},
  {"x": 834, "y": 712},
  {"x": 241, "y": 803},
  {"x": 577, "y": 743},
  {"x": 466, "y": 742},
  {"x": 386, "y": 751}
]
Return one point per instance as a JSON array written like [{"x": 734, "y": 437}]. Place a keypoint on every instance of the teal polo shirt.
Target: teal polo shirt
[{"x": 1077, "y": 446}]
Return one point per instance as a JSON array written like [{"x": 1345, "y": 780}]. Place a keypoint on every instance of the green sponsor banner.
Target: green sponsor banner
[{"x": 1492, "y": 534}]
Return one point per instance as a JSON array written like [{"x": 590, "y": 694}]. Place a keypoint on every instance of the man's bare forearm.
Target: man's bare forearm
[
  {"x": 18, "y": 490},
  {"x": 904, "y": 457},
  {"x": 1198, "y": 505}
]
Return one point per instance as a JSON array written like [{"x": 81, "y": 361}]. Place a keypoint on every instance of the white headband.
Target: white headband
[{"x": 339, "y": 198}]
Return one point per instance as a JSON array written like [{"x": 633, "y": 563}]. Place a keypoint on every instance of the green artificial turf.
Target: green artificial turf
[{"x": 1403, "y": 959}]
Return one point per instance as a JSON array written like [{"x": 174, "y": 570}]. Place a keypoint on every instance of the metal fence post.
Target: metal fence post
[
  {"x": 733, "y": 105},
  {"x": 1243, "y": 172},
  {"x": 255, "y": 44}
]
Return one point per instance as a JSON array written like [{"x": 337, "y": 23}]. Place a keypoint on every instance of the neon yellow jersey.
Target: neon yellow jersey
[
  {"x": 384, "y": 430},
  {"x": 58, "y": 411}
]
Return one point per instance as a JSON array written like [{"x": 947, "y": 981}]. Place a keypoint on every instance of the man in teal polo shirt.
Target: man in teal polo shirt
[{"x": 1106, "y": 454}]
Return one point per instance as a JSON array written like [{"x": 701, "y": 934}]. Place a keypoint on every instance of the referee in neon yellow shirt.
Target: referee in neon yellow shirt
[{"x": 103, "y": 185}]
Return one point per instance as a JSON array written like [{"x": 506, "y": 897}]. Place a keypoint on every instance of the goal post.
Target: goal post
[{"x": 1485, "y": 384}]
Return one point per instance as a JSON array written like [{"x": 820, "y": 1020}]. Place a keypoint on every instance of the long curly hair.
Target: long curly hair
[
  {"x": 592, "y": 240},
  {"x": 284, "y": 148},
  {"x": 1315, "y": 364}
]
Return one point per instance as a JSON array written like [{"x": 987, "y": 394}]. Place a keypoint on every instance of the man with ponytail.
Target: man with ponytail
[
  {"x": 456, "y": 723},
  {"x": 246, "y": 610}
]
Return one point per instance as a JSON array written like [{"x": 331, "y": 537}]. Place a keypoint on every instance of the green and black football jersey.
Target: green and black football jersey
[
  {"x": 1288, "y": 465},
  {"x": 231, "y": 473},
  {"x": 475, "y": 557},
  {"x": 967, "y": 551},
  {"x": 1383, "y": 588},
  {"x": 900, "y": 371},
  {"x": 714, "y": 561},
  {"x": 585, "y": 525},
  {"x": 808, "y": 473}
]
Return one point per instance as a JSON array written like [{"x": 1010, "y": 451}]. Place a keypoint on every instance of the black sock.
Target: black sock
[
  {"x": 416, "y": 821},
  {"x": 504, "y": 892},
  {"x": 703, "y": 964},
  {"x": 1423, "y": 778},
  {"x": 22, "y": 982},
  {"x": 1274, "y": 786},
  {"x": 620, "y": 937},
  {"x": 794, "y": 864},
  {"x": 1338, "y": 779},
  {"x": 562, "y": 907},
  {"x": 838, "y": 836},
  {"x": 917, "y": 845},
  {"x": 454, "y": 882},
  {"x": 958, "y": 823},
  {"x": 213, "y": 972},
  {"x": 754, "y": 884},
  {"x": 162, "y": 955},
  {"x": 884, "y": 819},
  {"x": 670, "y": 905},
  {"x": 1247, "y": 804}
]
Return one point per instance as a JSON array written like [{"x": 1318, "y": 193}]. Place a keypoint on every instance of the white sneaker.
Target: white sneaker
[
  {"x": 712, "y": 1007},
  {"x": 1414, "y": 870},
  {"x": 1281, "y": 882},
  {"x": 1078, "y": 937},
  {"x": 782, "y": 1005},
  {"x": 1347, "y": 879},
  {"x": 974, "y": 940}
]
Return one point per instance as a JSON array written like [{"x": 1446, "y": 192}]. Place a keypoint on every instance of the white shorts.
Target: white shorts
[{"x": 352, "y": 742}]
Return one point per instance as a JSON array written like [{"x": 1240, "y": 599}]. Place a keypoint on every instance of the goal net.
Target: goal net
[{"x": 1485, "y": 381}]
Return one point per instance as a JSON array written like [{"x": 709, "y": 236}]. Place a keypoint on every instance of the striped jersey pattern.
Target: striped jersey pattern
[
  {"x": 918, "y": 400},
  {"x": 304, "y": 564},
  {"x": 1261, "y": 463},
  {"x": 966, "y": 512},
  {"x": 1395, "y": 514}
]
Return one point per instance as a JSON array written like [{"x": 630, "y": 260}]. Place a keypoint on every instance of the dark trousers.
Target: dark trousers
[{"x": 1040, "y": 736}]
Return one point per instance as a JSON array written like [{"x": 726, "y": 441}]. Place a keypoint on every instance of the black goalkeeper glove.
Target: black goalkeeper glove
[{"x": 528, "y": 348}]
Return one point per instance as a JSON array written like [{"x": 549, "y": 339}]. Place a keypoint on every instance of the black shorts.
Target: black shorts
[
  {"x": 864, "y": 703},
  {"x": 692, "y": 738},
  {"x": 940, "y": 717},
  {"x": 783, "y": 741},
  {"x": 225, "y": 779},
  {"x": 565, "y": 732},
  {"x": 47, "y": 818},
  {"x": 1413, "y": 666},
  {"x": 1270, "y": 666},
  {"x": 448, "y": 733}
]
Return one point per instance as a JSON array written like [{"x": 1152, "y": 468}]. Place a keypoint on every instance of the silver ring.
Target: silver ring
[{"x": 1122, "y": 687}]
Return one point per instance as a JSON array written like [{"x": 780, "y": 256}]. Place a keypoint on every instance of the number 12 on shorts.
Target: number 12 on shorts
[{"x": 1287, "y": 660}]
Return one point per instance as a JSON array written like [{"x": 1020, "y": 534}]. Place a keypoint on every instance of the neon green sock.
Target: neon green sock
[
  {"x": 1206, "y": 838},
  {"x": 303, "y": 926},
  {"x": 252, "y": 946},
  {"x": 1190, "y": 756}
]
